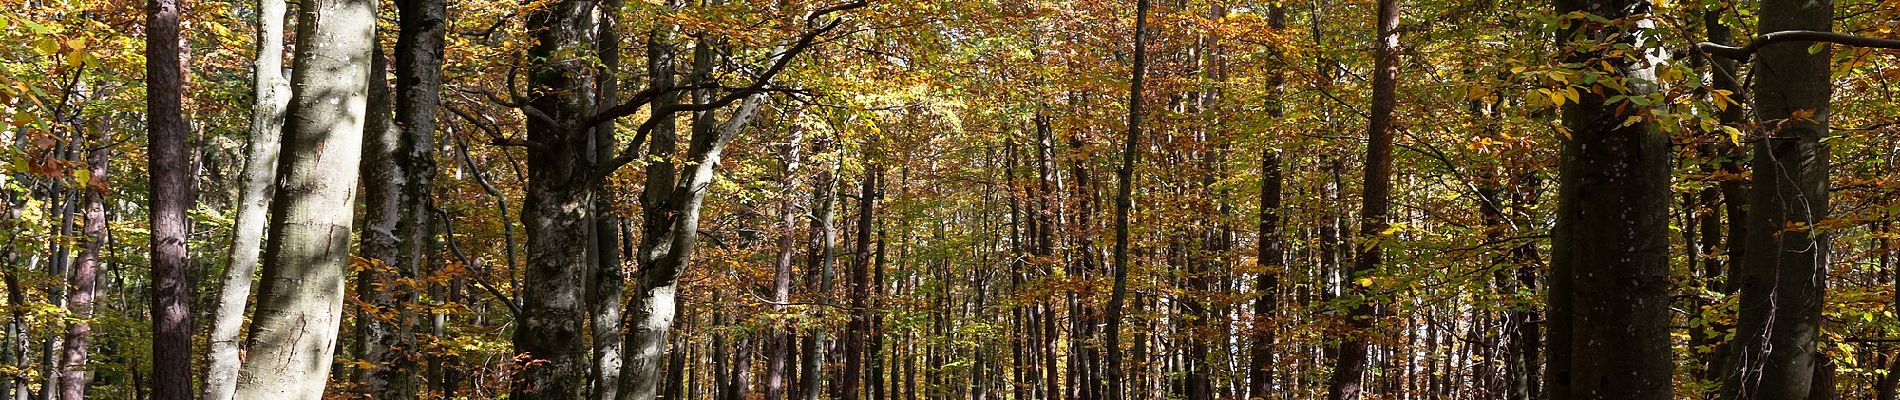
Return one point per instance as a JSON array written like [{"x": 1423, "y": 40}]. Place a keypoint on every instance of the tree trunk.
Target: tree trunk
[
  {"x": 1272, "y": 247},
  {"x": 608, "y": 282},
  {"x": 854, "y": 338},
  {"x": 1782, "y": 288},
  {"x": 170, "y": 167},
  {"x": 819, "y": 267},
  {"x": 1724, "y": 76},
  {"x": 672, "y": 201},
  {"x": 260, "y": 168},
  {"x": 85, "y": 275},
  {"x": 1124, "y": 201},
  {"x": 781, "y": 342},
  {"x": 299, "y": 307},
  {"x": 1351, "y": 364},
  {"x": 382, "y": 321},
  {"x": 1609, "y": 304},
  {"x": 553, "y": 359}
]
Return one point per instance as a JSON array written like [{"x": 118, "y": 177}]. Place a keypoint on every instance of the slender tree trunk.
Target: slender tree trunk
[
  {"x": 1124, "y": 201},
  {"x": 607, "y": 280},
  {"x": 1272, "y": 246},
  {"x": 1724, "y": 75},
  {"x": 169, "y": 164},
  {"x": 272, "y": 93},
  {"x": 1782, "y": 288},
  {"x": 1609, "y": 304},
  {"x": 819, "y": 268},
  {"x": 1351, "y": 364},
  {"x": 854, "y": 339},
  {"x": 299, "y": 307},
  {"x": 85, "y": 275},
  {"x": 672, "y": 202},
  {"x": 782, "y": 335}
]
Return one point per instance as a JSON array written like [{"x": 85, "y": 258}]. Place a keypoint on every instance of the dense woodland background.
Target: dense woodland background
[{"x": 949, "y": 199}]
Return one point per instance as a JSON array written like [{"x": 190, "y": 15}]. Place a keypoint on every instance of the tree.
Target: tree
[
  {"x": 272, "y": 94},
  {"x": 1131, "y": 152},
  {"x": 299, "y": 308},
  {"x": 1373, "y": 221},
  {"x": 1609, "y": 303},
  {"x": 85, "y": 275},
  {"x": 1783, "y": 282},
  {"x": 171, "y": 186}
]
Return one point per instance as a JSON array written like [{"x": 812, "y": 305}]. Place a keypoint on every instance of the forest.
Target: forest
[{"x": 950, "y": 199}]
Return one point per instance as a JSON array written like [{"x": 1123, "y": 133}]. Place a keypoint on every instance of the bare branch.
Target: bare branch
[{"x": 1743, "y": 53}]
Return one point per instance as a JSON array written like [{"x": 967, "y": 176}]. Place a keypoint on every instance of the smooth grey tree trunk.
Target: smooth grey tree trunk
[
  {"x": 608, "y": 283},
  {"x": 271, "y": 93},
  {"x": 299, "y": 307},
  {"x": 1783, "y": 281}
]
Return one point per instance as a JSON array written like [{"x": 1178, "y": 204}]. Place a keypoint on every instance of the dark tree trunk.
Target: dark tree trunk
[
  {"x": 1124, "y": 201},
  {"x": 1782, "y": 287},
  {"x": 550, "y": 341},
  {"x": 171, "y": 193},
  {"x": 1272, "y": 250},
  {"x": 1351, "y": 364},
  {"x": 854, "y": 338},
  {"x": 383, "y": 327},
  {"x": 1609, "y": 273}
]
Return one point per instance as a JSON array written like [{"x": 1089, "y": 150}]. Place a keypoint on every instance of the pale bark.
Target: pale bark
[
  {"x": 608, "y": 282},
  {"x": 299, "y": 307},
  {"x": 272, "y": 93}
]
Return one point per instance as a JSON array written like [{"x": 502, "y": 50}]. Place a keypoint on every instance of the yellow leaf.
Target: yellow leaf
[{"x": 1364, "y": 282}]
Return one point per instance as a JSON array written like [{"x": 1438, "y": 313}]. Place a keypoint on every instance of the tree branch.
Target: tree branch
[
  {"x": 759, "y": 84},
  {"x": 1743, "y": 53}
]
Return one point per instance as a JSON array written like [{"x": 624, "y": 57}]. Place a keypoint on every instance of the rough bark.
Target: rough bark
[
  {"x": 418, "y": 64},
  {"x": 854, "y": 338},
  {"x": 168, "y": 161},
  {"x": 382, "y": 318},
  {"x": 550, "y": 340},
  {"x": 1782, "y": 285},
  {"x": 1351, "y": 362},
  {"x": 299, "y": 306},
  {"x": 1609, "y": 272},
  {"x": 272, "y": 93},
  {"x": 85, "y": 275}
]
